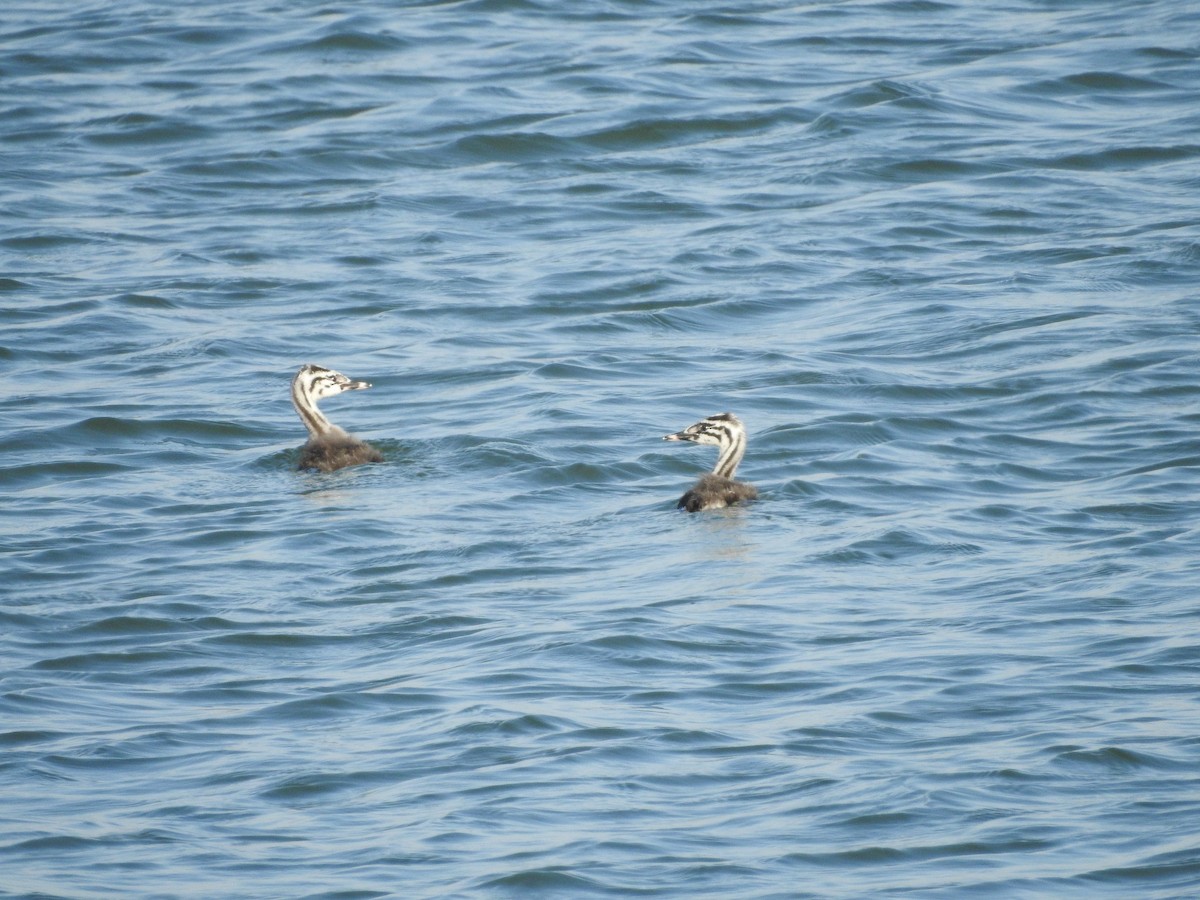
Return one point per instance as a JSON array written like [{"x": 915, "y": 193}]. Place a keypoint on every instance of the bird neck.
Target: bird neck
[
  {"x": 731, "y": 452},
  {"x": 314, "y": 420}
]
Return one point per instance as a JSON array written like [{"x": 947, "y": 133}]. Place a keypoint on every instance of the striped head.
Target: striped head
[
  {"x": 725, "y": 431},
  {"x": 316, "y": 383}
]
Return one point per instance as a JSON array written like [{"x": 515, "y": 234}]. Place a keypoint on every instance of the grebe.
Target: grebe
[
  {"x": 717, "y": 488},
  {"x": 328, "y": 447}
]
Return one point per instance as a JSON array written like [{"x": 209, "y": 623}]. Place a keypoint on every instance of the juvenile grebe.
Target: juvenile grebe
[
  {"x": 328, "y": 447},
  {"x": 717, "y": 488}
]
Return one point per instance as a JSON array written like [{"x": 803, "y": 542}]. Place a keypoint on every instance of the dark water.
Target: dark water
[{"x": 942, "y": 257}]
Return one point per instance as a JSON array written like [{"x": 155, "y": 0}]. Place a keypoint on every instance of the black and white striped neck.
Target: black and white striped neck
[
  {"x": 726, "y": 432},
  {"x": 732, "y": 447},
  {"x": 312, "y": 384}
]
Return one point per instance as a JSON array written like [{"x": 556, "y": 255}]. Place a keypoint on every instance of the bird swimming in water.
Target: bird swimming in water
[
  {"x": 328, "y": 447},
  {"x": 717, "y": 489}
]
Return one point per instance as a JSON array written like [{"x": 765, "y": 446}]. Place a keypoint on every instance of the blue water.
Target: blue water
[{"x": 943, "y": 258}]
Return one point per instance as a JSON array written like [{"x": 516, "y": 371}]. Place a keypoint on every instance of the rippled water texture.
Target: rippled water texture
[{"x": 941, "y": 257}]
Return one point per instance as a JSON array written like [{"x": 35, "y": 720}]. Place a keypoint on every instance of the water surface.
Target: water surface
[{"x": 940, "y": 257}]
